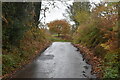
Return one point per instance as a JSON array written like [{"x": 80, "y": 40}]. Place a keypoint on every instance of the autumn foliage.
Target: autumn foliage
[
  {"x": 99, "y": 32},
  {"x": 96, "y": 33},
  {"x": 22, "y": 39},
  {"x": 59, "y": 27}
]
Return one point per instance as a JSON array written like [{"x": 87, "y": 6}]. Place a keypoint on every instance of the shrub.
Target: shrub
[
  {"x": 99, "y": 51},
  {"x": 111, "y": 64}
]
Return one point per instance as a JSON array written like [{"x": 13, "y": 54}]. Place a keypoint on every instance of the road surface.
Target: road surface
[{"x": 60, "y": 60}]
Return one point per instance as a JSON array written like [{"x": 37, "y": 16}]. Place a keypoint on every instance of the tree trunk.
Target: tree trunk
[{"x": 58, "y": 34}]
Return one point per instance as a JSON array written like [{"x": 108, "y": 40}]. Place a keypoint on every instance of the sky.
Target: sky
[{"x": 56, "y": 12}]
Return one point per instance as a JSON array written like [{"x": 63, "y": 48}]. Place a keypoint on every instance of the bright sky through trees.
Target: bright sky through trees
[{"x": 56, "y": 12}]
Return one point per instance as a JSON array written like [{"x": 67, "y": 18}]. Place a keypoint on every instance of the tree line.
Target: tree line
[
  {"x": 22, "y": 39},
  {"x": 98, "y": 29}
]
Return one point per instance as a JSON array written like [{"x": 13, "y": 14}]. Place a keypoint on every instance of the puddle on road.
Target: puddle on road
[{"x": 46, "y": 57}]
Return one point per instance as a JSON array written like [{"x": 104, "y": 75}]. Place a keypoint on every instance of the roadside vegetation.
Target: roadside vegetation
[
  {"x": 59, "y": 39},
  {"x": 98, "y": 30},
  {"x": 22, "y": 39}
]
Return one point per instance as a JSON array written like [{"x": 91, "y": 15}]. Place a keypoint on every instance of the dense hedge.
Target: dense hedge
[
  {"x": 100, "y": 33},
  {"x": 22, "y": 38}
]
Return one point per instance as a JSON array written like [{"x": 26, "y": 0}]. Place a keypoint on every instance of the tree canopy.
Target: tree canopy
[{"x": 59, "y": 26}]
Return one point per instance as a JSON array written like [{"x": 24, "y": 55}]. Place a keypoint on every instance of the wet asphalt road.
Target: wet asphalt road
[{"x": 60, "y": 60}]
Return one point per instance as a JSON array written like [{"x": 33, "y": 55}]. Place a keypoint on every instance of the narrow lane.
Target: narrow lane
[{"x": 60, "y": 60}]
